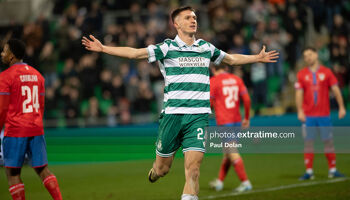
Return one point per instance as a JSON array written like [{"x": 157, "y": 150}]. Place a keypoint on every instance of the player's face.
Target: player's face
[
  {"x": 186, "y": 21},
  {"x": 6, "y": 55},
  {"x": 310, "y": 57}
]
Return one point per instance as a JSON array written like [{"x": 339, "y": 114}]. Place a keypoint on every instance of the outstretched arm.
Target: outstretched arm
[
  {"x": 240, "y": 59},
  {"x": 125, "y": 52}
]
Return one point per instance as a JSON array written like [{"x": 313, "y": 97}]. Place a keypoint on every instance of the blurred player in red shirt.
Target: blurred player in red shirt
[
  {"x": 312, "y": 101},
  {"x": 22, "y": 96},
  {"x": 226, "y": 90}
]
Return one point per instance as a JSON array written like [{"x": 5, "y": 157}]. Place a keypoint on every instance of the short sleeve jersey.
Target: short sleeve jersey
[
  {"x": 23, "y": 84},
  {"x": 315, "y": 86},
  {"x": 186, "y": 73},
  {"x": 225, "y": 92}
]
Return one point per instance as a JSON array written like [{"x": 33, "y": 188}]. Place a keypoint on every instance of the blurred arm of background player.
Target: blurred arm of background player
[
  {"x": 299, "y": 104},
  {"x": 4, "y": 104},
  {"x": 339, "y": 98},
  {"x": 246, "y": 102},
  {"x": 125, "y": 52},
  {"x": 240, "y": 59}
]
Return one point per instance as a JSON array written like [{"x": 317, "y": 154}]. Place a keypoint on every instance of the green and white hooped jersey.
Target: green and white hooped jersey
[{"x": 186, "y": 73}]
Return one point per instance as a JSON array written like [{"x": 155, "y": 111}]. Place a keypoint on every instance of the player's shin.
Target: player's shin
[
  {"x": 240, "y": 170},
  {"x": 331, "y": 161},
  {"x": 17, "y": 191},
  {"x": 309, "y": 160},
  {"x": 330, "y": 154},
  {"x": 51, "y": 184},
  {"x": 225, "y": 166}
]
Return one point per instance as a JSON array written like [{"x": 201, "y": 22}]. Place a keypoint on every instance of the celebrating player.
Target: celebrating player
[
  {"x": 184, "y": 63},
  {"x": 22, "y": 96},
  {"x": 226, "y": 90},
  {"x": 312, "y": 101}
]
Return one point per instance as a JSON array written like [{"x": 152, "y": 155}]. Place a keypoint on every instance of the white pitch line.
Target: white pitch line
[{"x": 276, "y": 188}]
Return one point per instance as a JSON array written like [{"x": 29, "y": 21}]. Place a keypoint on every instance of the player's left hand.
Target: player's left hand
[
  {"x": 341, "y": 113},
  {"x": 245, "y": 124},
  {"x": 93, "y": 44},
  {"x": 268, "y": 57}
]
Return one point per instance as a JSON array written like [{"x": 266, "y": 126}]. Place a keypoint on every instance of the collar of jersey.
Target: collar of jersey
[
  {"x": 19, "y": 63},
  {"x": 183, "y": 44},
  {"x": 318, "y": 68}
]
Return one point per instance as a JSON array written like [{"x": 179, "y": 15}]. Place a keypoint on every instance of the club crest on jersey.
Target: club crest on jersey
[
  {"x": 321, "y": 76},
  {"x": 159, "y": 145}
]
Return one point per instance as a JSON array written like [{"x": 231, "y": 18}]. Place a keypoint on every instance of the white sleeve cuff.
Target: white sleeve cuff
[
  {"x": 151, "y": 53},
  {"x": 220, "y": 58}
]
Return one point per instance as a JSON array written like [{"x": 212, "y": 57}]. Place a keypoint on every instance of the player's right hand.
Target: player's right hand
[
  {"x": 341, "y": 113},
  {"x": 94, "y": 45},
  {"x": 245, "y": 124},
  {"x": 301, "y": 116}
]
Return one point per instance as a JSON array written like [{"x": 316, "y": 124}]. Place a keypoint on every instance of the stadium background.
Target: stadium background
[{"x": 101, "y": 111}]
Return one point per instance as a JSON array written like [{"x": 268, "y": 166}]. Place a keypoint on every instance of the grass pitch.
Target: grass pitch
[
  {"x": 128, "y": 180},
  {"x": 103, "y": 164}
]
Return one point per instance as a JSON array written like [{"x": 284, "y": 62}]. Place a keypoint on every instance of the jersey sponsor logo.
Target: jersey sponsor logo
[
  {"x": 307, "y": 78},
  {"x": 192, "y": 61},
  {"x": 28, "y": 78}
]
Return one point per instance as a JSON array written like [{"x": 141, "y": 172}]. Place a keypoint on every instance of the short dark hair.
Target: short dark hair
[
  {"x": 218, "y": 67},
  {"x": 17, "y": 47},
  {"x": 310, "y": 48},
  {"x": 177, "y": 11}
]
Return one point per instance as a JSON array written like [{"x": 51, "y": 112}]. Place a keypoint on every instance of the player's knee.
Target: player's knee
[
  {"x": 309, "y": 143},
  {"x": 13, "y": 172},
  {"x": 234, "y": 157},
  {"x": 13, "y": 175},
  {"x": 162, "y": 170},
  {"x": 43, "y": 172},
  {"x": 309, "y": 146},
  {"x": 328, "y": 143},
  {"x": 328, "y": 146}
]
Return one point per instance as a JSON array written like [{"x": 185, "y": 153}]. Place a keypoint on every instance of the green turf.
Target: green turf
[{"x": 128, "y": 179}]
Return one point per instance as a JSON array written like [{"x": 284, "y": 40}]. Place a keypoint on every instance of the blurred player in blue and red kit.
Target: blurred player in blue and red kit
[
  {"x": 312, "y": 101},
  {"x": 22, "y": 97},
  {"x": 226, "y": 90}
]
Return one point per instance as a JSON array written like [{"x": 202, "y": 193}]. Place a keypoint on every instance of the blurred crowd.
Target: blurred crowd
[{"x": 86, "y": 85}]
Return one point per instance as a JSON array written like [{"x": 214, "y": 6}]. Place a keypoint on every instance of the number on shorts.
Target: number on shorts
[
  {"x": 200, "y": 133},
  {"x": 231, "y": 93},
  {"x": 30, "y": 98}
]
